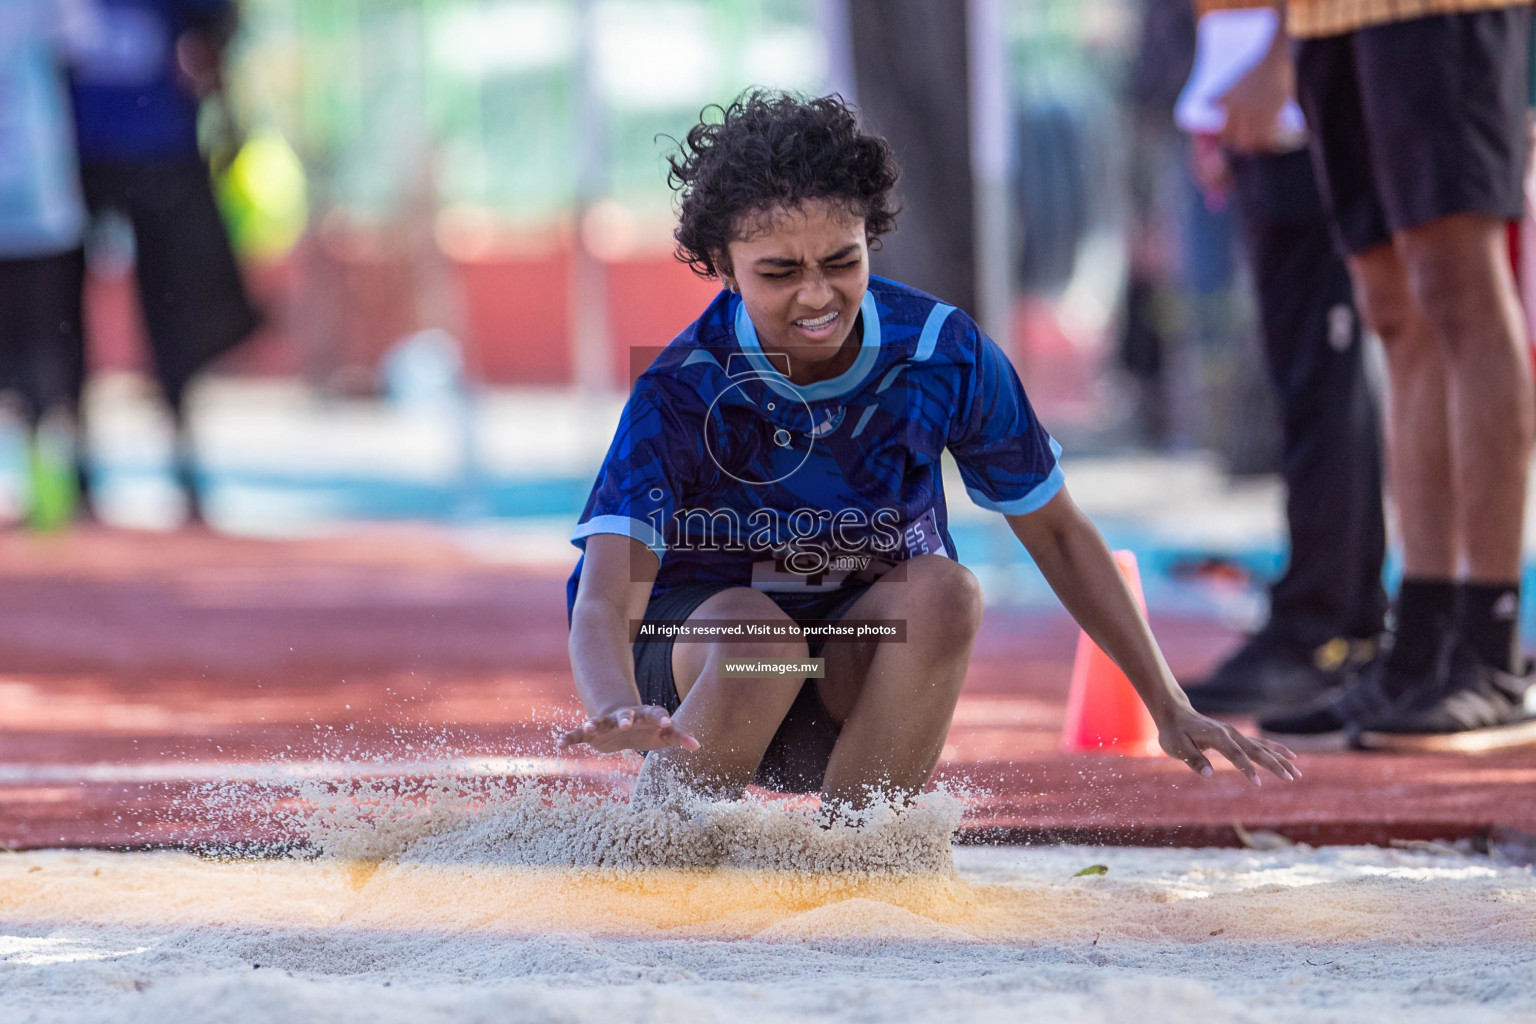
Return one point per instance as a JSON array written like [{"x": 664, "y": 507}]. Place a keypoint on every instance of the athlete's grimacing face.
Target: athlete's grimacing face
[{"x": 802, "y": 272}]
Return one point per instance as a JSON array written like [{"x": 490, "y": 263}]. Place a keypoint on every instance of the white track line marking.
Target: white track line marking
[{"x": 299, "y": 771}]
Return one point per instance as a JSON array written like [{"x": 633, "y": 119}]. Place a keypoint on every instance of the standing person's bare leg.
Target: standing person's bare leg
[
  {"x": 1419, "y": 471},
  {"x": 1421, "y": 482},
  {"x": 1459, "y": 272},
  {"x": 1420, "y": 466},
  {"x": 1479, "y": 695},
  {"x": 895, "y": 701}
]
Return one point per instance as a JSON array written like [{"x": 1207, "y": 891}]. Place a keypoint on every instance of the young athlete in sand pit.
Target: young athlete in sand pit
[{"x": 779, "y": 464}]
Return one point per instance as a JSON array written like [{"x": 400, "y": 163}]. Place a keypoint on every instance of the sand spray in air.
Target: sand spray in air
[
  {"x": 553, "y": 823},
  {"x": 457, "y": 805},
  {"x": 575, "y": 854},
  {"x": 591, "y": 861}
]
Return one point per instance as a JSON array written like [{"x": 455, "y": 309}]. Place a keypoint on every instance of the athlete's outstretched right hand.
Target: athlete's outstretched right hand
[{"x": 644, "y": 727}]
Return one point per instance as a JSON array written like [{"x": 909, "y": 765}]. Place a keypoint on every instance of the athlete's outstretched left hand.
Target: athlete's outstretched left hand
[
  {"x": 643, "y": 727},
  {"x": 1187, "y": 734}
]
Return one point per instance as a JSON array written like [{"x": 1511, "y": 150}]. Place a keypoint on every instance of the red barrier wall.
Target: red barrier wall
[{"x": 516, "y": 313}]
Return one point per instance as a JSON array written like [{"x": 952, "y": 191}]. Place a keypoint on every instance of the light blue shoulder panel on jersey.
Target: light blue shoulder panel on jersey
[
  {"x": 1036, "y": 499},
  {"x": 929, "y": 339},
  {"x": 643, "y": 532}
]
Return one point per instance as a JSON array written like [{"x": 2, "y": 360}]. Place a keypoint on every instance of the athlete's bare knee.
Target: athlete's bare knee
[
  {"x": 734, "y": 610},
  {"x": 738, "y": 610},
  {"x": 766, "y": 649},
  {"x": 946, "y": 596}
]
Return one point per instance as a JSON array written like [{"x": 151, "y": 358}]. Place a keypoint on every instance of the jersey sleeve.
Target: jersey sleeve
[
  {"x": 1006, "y": 458},
  {"x": 647, "y": 466}
]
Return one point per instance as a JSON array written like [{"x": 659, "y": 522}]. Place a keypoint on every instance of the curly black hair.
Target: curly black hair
[{"x": 770, "y": 150}]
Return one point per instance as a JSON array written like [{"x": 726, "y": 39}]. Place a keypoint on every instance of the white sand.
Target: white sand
[{"x": 549, "y": 909}]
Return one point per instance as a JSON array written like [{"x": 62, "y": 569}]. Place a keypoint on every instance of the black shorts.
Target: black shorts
[
  {"x": 796, "y": 759},
  {"x": 1417, "y": 120},
  {"x": 42, "y": 349}
]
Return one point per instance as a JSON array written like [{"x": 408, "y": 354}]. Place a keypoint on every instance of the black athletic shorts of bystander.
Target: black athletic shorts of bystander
[{"x": 1417, "y": 120}]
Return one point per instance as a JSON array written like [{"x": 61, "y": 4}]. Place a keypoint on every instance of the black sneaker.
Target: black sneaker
[
  {"x": 1476, "y": 707},
  {"x": 1271, "y": 673},
  {"x": 1327, "y": 723}
]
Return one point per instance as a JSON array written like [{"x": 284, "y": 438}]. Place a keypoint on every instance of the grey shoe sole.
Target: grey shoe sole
[{"x": 1472, "y": 741}]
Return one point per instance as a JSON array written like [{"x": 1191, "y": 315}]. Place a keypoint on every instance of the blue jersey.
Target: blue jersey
[
  {"x": 129, "y": 102},
  {"x": 732, "y": 474}
]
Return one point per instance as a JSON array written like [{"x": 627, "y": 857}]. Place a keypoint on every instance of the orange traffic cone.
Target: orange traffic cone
[{"x": 1104, "y": 714}]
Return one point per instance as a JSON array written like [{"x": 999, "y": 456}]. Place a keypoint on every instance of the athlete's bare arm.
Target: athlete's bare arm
[
  {"x": 1081, "y": 570},
  {"x": 616, "y": 578}
]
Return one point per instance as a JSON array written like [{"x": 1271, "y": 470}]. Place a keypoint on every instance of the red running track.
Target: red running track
[{"x": 136, "y": 667}]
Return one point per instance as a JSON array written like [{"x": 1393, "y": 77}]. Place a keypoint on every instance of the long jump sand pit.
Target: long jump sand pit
[
  {"x": 138, "y": 668},
  {"x": 522, "y": 903}
]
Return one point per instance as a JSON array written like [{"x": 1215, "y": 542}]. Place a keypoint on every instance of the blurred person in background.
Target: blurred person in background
[
  {"x": 42, "y": 221},
  {"x": 1185, "y": 331},
  {"x": 1328, "y": 608},
  {"x": 1160, "y": 64},
  {"x": 136, "y": 98},
  {"x": 911, "y": 64},
  {"x": 1419, "y": 126}
]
